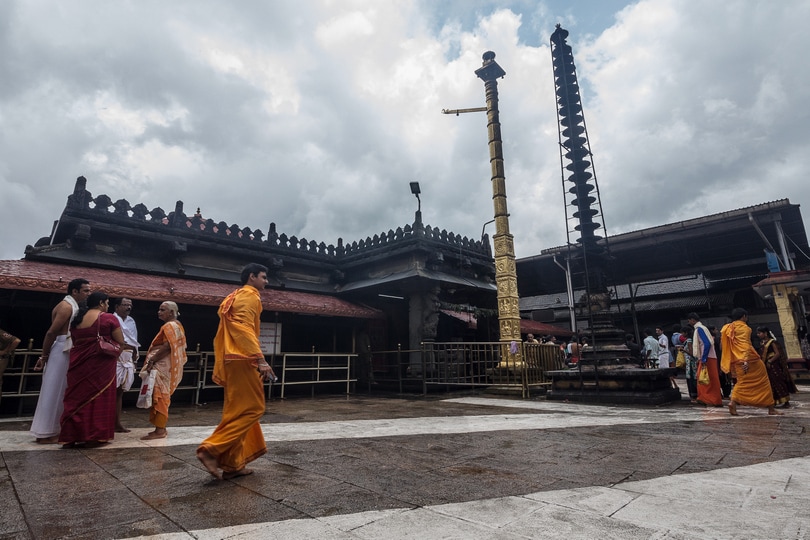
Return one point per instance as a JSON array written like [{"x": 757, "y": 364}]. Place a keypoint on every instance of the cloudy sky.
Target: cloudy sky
[{"x": 316, "y": 114}]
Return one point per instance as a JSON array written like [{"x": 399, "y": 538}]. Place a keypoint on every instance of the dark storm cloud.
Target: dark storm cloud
[{"x": 316, "y": 115}]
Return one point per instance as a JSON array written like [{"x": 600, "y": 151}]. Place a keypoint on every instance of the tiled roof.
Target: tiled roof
[
  {"x": 463, "y": 316},
  {"x": 526, "y": 326},
  {"x": 542, "y": 329},
  {"x": 48, "y": 277},
  {"x": 650, "y": 291}
]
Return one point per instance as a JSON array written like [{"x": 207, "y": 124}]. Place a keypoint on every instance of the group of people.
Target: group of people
[
  {"x": 83, "y": 385},
  {"x": 723, "y": 364},
  {"x": 571, "y": 349},
  {"x": 761, "y": 376}
]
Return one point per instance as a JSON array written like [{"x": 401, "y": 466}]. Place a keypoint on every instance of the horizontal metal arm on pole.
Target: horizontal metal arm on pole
[{"x": 459, "y": 111}]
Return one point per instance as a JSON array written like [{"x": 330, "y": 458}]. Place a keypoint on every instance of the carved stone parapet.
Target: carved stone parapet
[
  {"x": 80, "y": 198},
  {"x": 102, "y": 203},
  {"x": 121, "y": 208},
  {"x": 140, "y": 211},
  {"x": 471, "y": 253}
]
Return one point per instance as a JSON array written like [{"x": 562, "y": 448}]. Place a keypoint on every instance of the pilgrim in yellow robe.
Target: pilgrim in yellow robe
[
  {"x": 238, "y": 439},
  {"x": 752, "y": 387}
]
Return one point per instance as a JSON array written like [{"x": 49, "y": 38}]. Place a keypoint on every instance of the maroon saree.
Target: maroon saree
[{"x": 90, "y": 396}]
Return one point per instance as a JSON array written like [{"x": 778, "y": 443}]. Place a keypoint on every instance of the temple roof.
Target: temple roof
[
  {"x": 526, "y": 326},
  {"x": 49, "y": 277},
  {"x": 721, "y": 247}
]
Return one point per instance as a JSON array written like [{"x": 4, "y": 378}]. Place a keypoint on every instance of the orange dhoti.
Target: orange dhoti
[
  {"x": 710, "y": 394},
  {"x": 753, "y": 388},
  {"x": 168, "y": 364},
  {"x": 238, "y": 439}
]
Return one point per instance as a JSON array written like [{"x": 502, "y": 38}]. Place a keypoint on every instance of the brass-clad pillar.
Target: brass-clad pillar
[
  {"x": 505, "y": 273},
  {"x": 783, "y": 296}
]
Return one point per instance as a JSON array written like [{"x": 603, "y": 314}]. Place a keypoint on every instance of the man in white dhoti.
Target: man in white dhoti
[
  {"x": 54, "y": 361},
  {"x": 125, "y": 370}
]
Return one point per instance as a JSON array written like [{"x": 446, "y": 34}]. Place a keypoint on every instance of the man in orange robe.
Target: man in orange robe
[
  {"x": 752, "y": 387},
  {"x": 238, "y": 439}
]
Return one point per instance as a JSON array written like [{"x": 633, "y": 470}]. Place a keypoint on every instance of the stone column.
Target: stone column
[{"x": 423, "y": 320}]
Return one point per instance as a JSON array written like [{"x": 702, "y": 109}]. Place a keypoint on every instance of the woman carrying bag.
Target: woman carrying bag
[
  {"x": 89, "y": 403},
  {"x": 166, "y": 358}
]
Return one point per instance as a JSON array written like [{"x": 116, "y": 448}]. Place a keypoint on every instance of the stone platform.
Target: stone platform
[{"x": 613, "y": 384}]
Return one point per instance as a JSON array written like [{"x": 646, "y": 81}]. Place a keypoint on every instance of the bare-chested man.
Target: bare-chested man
[{"x": 55, "y": 360}]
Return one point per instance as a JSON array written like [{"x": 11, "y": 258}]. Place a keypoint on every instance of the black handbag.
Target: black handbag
[{"x": 106, "y": 346}]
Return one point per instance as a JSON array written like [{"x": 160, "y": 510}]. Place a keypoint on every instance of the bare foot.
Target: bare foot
[
  {"x": 209, "y": 462},
  {"x": 732, "y": 408},
  {"x": 122, "y": 429},
  {"x": 155, "y": 435},
  {"x": 236, "y": 474},
  {"x": 47, "y": 440},
  {"x": 774, "y": 412}
]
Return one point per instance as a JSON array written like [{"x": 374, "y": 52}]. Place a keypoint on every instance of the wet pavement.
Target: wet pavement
[{"x": 451, "y": 466}]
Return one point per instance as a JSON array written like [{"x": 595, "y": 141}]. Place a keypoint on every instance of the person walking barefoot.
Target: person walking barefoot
[
  {"x": 240, "y": 368},
  {"x": 739, "y": 356}
]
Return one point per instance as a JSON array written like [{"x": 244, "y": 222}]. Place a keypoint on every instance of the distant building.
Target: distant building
[{"x": 707, "y": 265}]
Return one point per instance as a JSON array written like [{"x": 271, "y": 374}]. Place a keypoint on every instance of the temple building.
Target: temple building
[
  {"x": 756, "y": 258},
  {"x": 393, "y": 285},
  {"x": 396, "y": 290}
]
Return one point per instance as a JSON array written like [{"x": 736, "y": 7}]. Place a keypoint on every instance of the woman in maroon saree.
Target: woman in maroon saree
[{"x": 89, "y": 415}]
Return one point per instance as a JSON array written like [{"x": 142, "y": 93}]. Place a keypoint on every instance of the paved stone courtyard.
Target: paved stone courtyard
[{"x": 451, "y": 466}]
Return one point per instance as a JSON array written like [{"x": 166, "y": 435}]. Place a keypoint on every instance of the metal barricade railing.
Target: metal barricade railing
[
  {"x": 450, "y": 364},
  {"x": 20, "y": 380},
  {"x": 392, "y": 368},
  {"x": 477, "y": 364},
  {"x": 540, "y": 359},
  {"x": 322, "y": 368}
]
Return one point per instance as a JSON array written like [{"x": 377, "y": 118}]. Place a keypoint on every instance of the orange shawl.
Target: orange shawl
[
  {"x": 736, "y": 344},
  {"x": 169, "y": 367},
  {"x": 238, "y": 333}
]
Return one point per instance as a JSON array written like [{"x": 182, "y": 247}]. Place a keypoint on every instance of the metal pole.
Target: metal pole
[{"x": 780, "y": 235}]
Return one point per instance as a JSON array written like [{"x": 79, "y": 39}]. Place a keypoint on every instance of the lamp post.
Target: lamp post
[
  {"x": 505, "y": 272},
  {"x": 484, "y": 228},
  {"x": 416, "y": 191}
]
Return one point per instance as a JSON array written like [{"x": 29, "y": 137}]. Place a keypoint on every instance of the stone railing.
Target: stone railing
[{"x": 81, "y": 201}]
